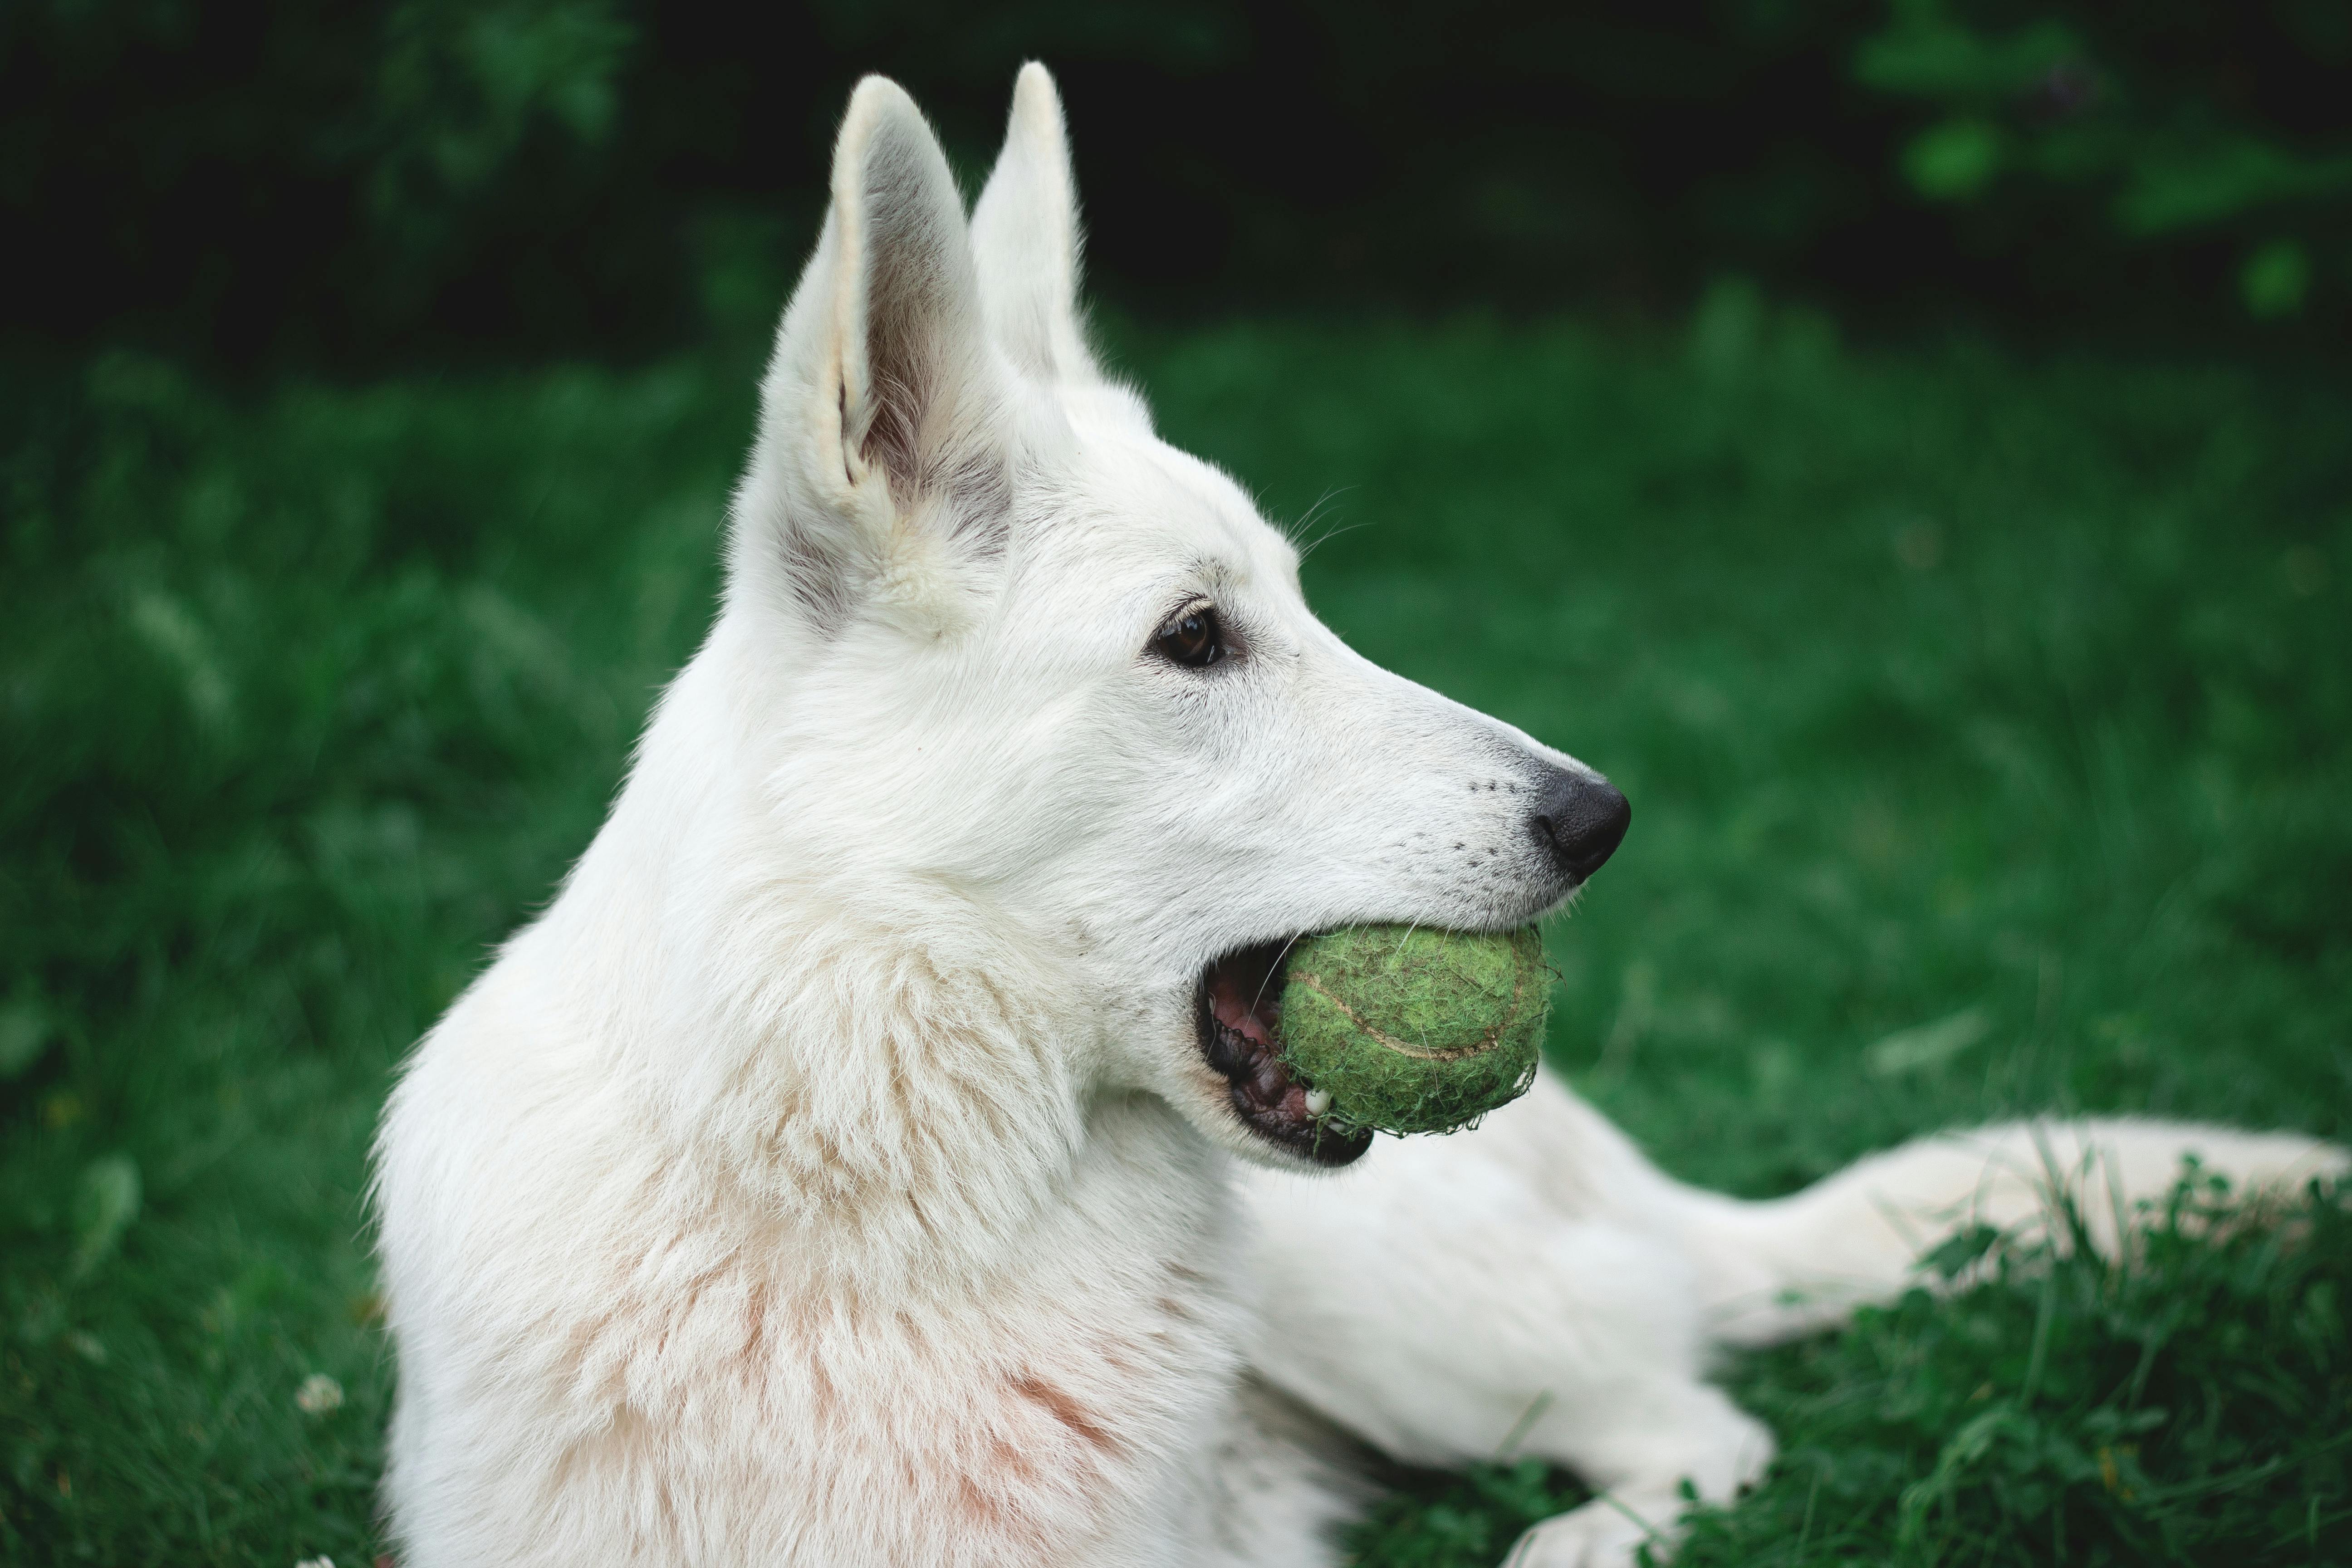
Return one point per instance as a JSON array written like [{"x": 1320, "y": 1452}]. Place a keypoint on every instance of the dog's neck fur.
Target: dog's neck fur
[{"x": 887, "y": 1085}]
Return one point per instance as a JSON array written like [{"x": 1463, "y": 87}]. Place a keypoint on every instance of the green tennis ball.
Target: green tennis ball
[{"x": 1409, "y": 1029}]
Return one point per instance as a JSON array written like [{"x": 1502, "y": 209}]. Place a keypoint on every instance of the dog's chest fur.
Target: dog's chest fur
[{"x": 736, "y": 1377}]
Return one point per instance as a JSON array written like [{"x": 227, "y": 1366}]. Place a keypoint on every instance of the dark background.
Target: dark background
[{"x": 352, "y": 188}]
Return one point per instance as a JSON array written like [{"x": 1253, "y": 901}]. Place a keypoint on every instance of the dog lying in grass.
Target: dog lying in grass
[{"x": 881, "y": 1151}]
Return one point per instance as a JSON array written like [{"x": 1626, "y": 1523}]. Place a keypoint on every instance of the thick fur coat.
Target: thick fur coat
[{"x": 862, "y": 1161}]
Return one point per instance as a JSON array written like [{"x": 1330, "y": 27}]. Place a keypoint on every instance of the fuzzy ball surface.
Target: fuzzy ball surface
[{"x": 1410, "y": 1030}]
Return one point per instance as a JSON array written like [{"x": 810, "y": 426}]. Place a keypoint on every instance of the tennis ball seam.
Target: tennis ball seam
[
  {"x": 1453, "y": 1054},
  {"x": 1405, "y": 1041}
]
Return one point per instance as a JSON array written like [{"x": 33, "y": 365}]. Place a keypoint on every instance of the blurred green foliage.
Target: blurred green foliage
[
  {"x": 426, "y": 181},
  {"x": 302, "y": 185},
  {"x": 1989, "y": 726},
  {"x": 2095, "y": 101},
  {"x": 461, "y": 83}
]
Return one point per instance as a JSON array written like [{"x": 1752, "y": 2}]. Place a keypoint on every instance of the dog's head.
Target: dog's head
[{"x": 1039, "y": 667}]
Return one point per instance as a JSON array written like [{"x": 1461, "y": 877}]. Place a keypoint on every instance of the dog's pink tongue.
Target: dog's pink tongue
[{"x": 1233, "y": 1010}]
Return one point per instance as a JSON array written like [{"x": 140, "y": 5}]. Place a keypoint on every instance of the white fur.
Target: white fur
[{"x": 832, "y": 1175}]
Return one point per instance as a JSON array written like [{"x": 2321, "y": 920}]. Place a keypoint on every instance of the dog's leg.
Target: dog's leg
[
  {"x": 1639, "y": 1445},
  {"x": 1522, "y": 1288},
  {"x": 1284, "y": 1483},
  {"x": 1537, "y": 1287}
]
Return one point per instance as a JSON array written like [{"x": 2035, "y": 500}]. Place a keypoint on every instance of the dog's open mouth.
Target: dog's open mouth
[{"x": 1241, "y": 1036}]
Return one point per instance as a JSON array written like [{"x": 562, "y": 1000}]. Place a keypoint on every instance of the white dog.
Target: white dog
[{"x": 878, "y": 1153}]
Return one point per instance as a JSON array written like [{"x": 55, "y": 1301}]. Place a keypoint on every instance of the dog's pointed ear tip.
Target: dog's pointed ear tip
[
  {"x": 886, "y": 136},
  {"x": 877, "y": 103},
  {"x": 1035, "y": 95},
  {"x": 876, "y": 94}
]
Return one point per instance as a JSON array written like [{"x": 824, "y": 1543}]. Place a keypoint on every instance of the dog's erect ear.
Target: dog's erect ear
[
  {"x": 1025, "y": 234},
  {"x": 883, "y": 442}
]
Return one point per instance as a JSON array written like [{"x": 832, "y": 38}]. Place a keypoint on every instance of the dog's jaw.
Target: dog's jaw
[{"x": 1239, "y": 1018}]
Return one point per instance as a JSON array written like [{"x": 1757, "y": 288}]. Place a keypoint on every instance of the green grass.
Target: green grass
[
  {"x": 2010, "y": 700},
  {"x": 2193, "y": 1405}
]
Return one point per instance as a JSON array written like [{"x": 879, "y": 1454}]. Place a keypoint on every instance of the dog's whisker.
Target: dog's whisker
[{"x": 1299, "y": 525}]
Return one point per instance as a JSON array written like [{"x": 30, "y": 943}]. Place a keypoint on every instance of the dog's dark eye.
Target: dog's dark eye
[{"x": 1192, "y": 637}]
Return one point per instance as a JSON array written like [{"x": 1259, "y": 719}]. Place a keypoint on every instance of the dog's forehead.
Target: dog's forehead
[{"x": 1143, "y": 517}]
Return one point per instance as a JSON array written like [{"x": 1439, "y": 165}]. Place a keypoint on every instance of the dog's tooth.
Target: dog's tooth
[{"x": 1319, "y": 1101}]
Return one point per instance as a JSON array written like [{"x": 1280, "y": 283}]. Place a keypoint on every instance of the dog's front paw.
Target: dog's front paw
[{"x": 1603, "y": 1533}]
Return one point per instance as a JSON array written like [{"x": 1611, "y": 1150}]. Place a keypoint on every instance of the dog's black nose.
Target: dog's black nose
[{"x": 1581, "y": 819}]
